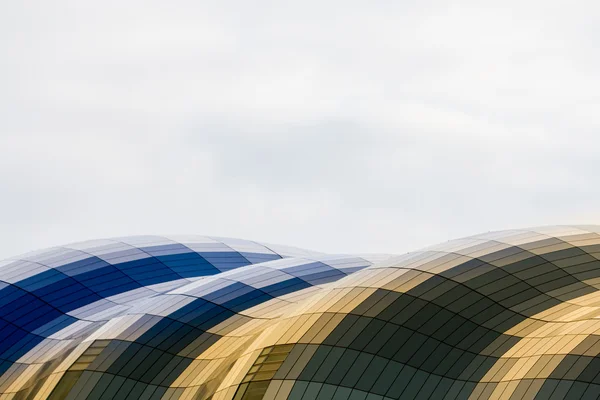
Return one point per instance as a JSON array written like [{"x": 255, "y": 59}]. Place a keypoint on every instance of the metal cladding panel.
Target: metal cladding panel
[{"x": 512, "y": 314}]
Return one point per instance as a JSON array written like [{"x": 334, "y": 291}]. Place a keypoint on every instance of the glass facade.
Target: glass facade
[{"x": 508, "y": 315}]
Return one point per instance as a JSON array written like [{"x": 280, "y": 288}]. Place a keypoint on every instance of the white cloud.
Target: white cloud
[{"x": 338, "y": 126}]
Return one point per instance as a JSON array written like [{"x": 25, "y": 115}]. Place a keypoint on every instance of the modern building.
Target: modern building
[{"x": 513, "y": 314}]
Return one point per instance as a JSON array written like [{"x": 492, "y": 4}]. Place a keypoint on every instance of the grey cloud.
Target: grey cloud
[{"x": 338, "y": 126}]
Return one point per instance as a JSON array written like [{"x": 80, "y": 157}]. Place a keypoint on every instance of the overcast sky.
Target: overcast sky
[{"x": 340, "y": 126}]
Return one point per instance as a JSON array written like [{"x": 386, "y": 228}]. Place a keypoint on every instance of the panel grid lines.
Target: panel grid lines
[{"x": 505, "y": 315}]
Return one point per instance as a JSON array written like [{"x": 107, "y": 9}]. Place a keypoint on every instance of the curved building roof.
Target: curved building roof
[{"x": 512, "y": 314}]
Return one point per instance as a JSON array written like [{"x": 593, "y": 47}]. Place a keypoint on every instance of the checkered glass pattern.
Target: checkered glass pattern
[{"x": 512, "y": 314}]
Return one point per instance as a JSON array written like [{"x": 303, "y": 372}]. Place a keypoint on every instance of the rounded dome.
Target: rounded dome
[{"x": 511, "y": 314}]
